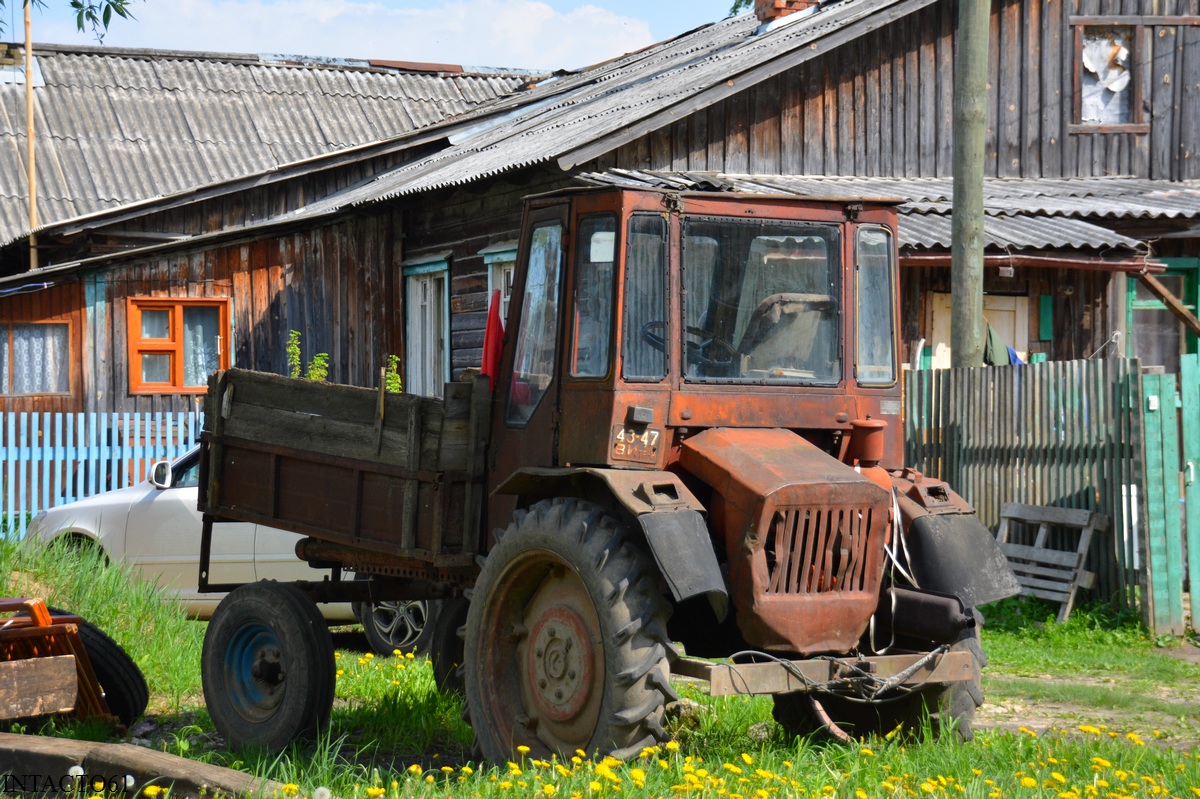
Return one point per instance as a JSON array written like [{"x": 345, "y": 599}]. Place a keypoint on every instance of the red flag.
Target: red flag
[{"x": 493, "y": 339}]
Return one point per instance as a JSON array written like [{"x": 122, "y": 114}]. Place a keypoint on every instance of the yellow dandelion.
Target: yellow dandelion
[
  {"x": 1057, "y": 777},
  {"x": 747, "y": 759},
  {"x": 1027, "y": 731},
  {"x": 549, "y": 789},
  {"x": 595, "y": 787},
  {"x": 1028, "y": 782},
  {"x": 408, "y": 655},
  {"x": 867, "y": 752},
  {"x": 290, "y": 789},
  {"x": 732, "y": 769},
  {"x": 447, "y": 770},
  {"x": 672, "y": 746},
  {"x": 375, "y": 791},
  {"x": 523, "y": 749},
  {"x": 505, "y": 785},
  {"x": 1101, "y": 762},
  {"x": 861, "y": 794},
  {"x": 637, "y": 774},
  {"x": 397, "y": 653},
  {"x": 429, "y": 779},
  {"x": 151, "y": 791}
]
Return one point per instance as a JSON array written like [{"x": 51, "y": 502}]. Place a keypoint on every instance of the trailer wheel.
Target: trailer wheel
[
  {"x": 267, "y": 666},
  {"x": 446, "y": 645},
  {"x": 566, "y": 645},
  {"x": 947, "y": 707},
  {"x": 400, "y": 624}
]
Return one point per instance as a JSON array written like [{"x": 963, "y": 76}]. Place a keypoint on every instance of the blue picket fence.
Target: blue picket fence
[{"x": 49, "y": 459}]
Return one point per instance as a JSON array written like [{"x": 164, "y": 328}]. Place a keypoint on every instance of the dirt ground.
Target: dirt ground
[{"x": 1173, "y": 710}]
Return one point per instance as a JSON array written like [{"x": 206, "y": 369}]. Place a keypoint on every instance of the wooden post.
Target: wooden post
[
  {"x": 966, "y": 251},
  {"x": 30, "y": 150}
]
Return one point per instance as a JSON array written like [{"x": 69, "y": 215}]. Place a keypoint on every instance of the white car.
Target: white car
[{"x": 155, "y": 527}]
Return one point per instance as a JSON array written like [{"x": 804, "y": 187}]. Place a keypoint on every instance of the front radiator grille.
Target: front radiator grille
[{"x": 821, "y": 550}]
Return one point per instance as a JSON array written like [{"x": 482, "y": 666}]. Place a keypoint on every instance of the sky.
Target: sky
[{"x": 534, "y": 34}]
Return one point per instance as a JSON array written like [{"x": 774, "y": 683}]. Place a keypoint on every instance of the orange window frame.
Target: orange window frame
[{"x": 173, "y": 345}]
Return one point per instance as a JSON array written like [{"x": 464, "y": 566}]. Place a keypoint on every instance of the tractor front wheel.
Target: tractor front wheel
[{"x": 566, "y": 644}]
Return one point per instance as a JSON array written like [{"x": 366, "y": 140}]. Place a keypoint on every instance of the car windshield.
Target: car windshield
[{"x": 761, "y": 301}]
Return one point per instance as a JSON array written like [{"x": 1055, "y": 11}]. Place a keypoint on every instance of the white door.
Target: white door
[
  {"x": 1009, "y": 316},
  {"x": 426, "y": 366}
]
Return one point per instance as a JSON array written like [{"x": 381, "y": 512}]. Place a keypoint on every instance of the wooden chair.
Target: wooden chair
[{"x": 1052, "y": 574}]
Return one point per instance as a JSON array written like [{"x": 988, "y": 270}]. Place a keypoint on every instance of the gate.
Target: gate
[{"x": 1189, "y": 384}]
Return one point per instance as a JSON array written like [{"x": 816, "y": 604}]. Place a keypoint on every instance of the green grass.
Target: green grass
[
  {"x": 394, "y": 735},
  {"x": 156, "y": 633}
]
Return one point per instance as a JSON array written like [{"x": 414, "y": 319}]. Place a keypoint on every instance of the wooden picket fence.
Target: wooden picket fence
[
  {"x": 47, "y": 459},
  {"x": 1066, "y": 434}
]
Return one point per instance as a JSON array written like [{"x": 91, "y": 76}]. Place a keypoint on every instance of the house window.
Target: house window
[
  {"x": 427, "y": 362},
  {"x": 1156, "y": 336},
  {"x": 35, "y": 359},
  {"x": 1108, "y": 86},
  {"x": 175, "y": 344},
  {"x": 501, "y": 260}
]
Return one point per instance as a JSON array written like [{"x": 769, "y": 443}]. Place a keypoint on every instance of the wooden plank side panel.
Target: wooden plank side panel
[
  {"x": 1009, "y": 109},
  {"x": 1187, "y": 163},
  {"x": 1054, "y": 90},
  {"x": 1162, "y": 102}
]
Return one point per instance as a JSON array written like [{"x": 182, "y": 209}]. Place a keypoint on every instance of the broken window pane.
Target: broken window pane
[{"x": 1105, "y": 77}]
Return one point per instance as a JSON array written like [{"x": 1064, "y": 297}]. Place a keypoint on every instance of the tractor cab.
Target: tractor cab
[{"x": 641, "y": 317}]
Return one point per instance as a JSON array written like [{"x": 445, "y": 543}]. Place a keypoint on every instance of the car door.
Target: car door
[{"x": 162, "y": 538}]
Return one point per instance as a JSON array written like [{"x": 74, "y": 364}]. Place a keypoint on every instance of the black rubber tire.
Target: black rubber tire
[
  {"x": 403, "y": 624},
  {"x": 446, "y": 645},
  {"x": 947, "y": 707},
  {"x": 123, "y": 684},
  {"x": 566, "y": 645},
  {"x": 267, "y": 666}
]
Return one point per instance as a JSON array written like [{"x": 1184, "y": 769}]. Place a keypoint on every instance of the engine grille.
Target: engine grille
[{"x": 823, "y": 549}]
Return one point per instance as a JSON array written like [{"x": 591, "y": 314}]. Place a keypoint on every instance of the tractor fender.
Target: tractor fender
[
  {"x": 666, "y": 511},
  {"x": 949, "y": 549}
]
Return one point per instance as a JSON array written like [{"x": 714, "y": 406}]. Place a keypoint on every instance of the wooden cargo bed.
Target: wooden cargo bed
[{"x": 385, "y": 483}]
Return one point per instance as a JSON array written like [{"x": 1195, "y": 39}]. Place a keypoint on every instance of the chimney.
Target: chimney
[{"x": 768, "y": 11}]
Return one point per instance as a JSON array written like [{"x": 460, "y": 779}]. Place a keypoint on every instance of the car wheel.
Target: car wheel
[
  {"x": 403, "y": 624},
  {"x": 267, "y": 666}
]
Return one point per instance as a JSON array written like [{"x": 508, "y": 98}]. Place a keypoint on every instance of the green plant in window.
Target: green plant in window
[
  {"x": 391, "y": 379},
  {"x": 318, "y": 367},
  {"x": 293, "y": 353}
]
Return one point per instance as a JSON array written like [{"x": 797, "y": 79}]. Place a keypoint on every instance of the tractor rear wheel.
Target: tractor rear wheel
[{"x": 566, "y": 644}]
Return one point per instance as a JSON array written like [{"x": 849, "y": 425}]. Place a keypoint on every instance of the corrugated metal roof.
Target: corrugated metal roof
[
  {"x": 558, "y": 117},
  {"x": 119, "y": 126},
  {"x": 1054, "y": 214}
]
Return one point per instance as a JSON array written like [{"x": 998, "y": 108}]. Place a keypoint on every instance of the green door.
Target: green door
[{"x": 1189, "y": 389}]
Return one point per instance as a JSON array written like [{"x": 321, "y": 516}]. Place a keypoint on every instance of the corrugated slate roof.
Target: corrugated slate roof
[
  {"x": 1021, "y": 214},
  {"x": 120, "y": 126}
]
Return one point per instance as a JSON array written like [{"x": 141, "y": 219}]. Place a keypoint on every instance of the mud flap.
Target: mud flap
[
  {"x": 684, "y": 552},
  {"x": 956, "y": 554}
]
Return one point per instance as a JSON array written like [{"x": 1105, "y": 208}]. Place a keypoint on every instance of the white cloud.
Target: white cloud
[{"x": 510, "y": 33}]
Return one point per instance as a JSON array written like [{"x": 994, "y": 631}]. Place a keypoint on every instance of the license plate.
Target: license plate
[{"x": 636, "y": 444}]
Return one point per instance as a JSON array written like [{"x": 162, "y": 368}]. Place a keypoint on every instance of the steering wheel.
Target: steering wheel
[{"x": 699, "y": 352}]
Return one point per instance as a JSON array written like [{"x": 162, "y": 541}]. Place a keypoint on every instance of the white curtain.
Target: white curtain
[
  {"x": 201, "y": 344},
  {"x": 40, "y": 356}
]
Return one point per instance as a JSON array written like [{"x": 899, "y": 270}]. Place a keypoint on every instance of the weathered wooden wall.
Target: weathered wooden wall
[
  {"x": 465, "y": 222},
  {"x": 881, "y": 105},
  {"x": 334, "y": 283},
  {"x": 1080, "y": 312},
  {"x": 60, "y": 304}
]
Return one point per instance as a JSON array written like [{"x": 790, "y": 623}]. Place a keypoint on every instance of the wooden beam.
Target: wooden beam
[
  {"x": 38, "y": 687},
  {"x": 1172, "y": 302}
]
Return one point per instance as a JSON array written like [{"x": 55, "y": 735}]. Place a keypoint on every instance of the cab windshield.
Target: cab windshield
[{"x": 761, "y": 302}]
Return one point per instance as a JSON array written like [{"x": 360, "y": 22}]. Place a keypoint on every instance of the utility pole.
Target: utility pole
[
  {"x": 31, "y": 166},
  {"x": 970, "y": 119}
]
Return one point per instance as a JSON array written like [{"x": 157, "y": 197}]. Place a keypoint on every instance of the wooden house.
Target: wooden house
[{"x": 1093, "y": 173}]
